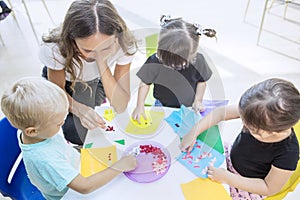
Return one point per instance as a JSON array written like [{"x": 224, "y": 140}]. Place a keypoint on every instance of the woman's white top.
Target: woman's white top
[{"x": 50, "y": 57}]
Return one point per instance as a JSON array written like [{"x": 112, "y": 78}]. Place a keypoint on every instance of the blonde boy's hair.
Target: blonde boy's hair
[{"x": 32, "y": 101}]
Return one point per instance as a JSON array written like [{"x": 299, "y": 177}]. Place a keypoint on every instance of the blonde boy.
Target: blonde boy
[{"x": 38, "y": 108}]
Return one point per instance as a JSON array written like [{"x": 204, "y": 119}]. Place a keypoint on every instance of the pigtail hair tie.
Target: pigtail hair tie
[
  {"x": 206, "y": 32},
  {"x": 164, "y": 19},
  {"x": 198, "y": 28}
]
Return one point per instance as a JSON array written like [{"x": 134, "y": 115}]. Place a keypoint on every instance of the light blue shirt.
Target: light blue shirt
[{"x": 51, "y": 165}]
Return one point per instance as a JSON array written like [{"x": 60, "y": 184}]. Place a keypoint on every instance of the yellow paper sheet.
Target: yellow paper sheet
[
  {"x": 144, "y": 123},
  {"x": 109, "y": 114},
  {"x": 204, "y": 189},
  {"x": 156, "y": 120},
  {"x": 94, "y": 160}
]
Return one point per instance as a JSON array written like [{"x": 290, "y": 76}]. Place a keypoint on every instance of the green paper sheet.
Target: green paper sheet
[
  {"x": 120, "y": 142},
  {"x": 212, "y": 138},
  {"x": 89, "y": 145}
]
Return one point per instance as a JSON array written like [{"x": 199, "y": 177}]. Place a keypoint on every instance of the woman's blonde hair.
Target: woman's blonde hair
[{"x": 32, "y": 101}]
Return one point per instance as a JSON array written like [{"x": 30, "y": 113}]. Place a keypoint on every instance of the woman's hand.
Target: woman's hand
[
  {"x": 89, "y": 117},
  {"x": 138, "y": 112}
]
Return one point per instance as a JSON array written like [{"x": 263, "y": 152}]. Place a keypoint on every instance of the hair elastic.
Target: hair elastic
[
  {"x": 199, "y": 30},
  {"x": 165, "y": 19}
]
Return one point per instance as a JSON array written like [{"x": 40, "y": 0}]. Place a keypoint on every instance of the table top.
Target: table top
[{"x": 121, "y": 187}]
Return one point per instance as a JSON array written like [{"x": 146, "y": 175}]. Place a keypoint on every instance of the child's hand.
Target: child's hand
[
  {"x": 138, "y": 112},
  {"x": 126, "y": 163},
  {"x": 198, "y": 106},
  {"x": 188, "y": 142},
  {"x": 217, "y": 174}
]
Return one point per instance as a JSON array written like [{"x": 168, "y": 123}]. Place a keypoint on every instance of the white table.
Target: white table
[{"x": 168, "y": 187}]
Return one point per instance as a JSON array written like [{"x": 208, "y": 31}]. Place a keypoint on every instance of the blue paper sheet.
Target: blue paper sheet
[
  {"x": 183, "y": 120},
  {"x": 198, "y": 160}
]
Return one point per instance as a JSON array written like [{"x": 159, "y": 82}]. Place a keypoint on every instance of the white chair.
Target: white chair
[
  {"x": 266, "y": 8},
  {"x": 29, "y": 17}
]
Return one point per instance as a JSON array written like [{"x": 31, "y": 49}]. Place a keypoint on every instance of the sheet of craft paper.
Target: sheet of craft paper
[
  {"x": 212, "y": 138},
  {"x": 204, "y": 189},
  {"x": 202, "y": 156},
  {"x": 94, "y": 160},
  {"x": 156, "y": 118},
  {"x": 211, "y": 105},
  {"x": 183, "y": 120}
]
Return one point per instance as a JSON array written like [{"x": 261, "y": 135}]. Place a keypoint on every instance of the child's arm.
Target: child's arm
[
  {"x": 214, "y": 117},
  {"x": 271, "y": 185},
  {"x": 85, "y": 185},
  {"x": 197, "y": 104},
  {"x": 140, "y": 110}
]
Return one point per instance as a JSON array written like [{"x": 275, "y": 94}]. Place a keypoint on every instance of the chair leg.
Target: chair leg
[
  {"x": 30, "y": 21},
  {"x": 1, "y": 40},
  {"x": 271, "y": 5},
  {"x": 285, "y": 8},
  {"x": 262, "y": 21},
  {"x": 246, "y": 11},
  {"x": 13, "y": 14},
  {"x": 46, "y": 7}
]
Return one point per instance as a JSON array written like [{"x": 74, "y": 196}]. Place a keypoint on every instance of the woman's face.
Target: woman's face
[{"x": 96, "y": 45}]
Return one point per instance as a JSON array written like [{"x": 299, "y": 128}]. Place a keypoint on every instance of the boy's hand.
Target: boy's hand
[
  {"x": 198, "y": 106},
  {"x": 138, "y": 112},
  {"x": 217, "y": 174},
  {"x": 126, "y": 163}
]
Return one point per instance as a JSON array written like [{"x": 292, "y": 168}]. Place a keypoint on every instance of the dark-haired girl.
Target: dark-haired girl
[
  {"x": 266, "y": 152},
  {"x": 178, "y": 72}
]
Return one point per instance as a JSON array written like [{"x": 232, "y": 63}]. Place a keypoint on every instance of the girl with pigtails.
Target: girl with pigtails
[{"x": 178, "y": 72}]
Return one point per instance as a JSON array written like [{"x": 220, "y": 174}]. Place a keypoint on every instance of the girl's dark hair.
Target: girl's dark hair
[
  {"x": 272, "y": 105},
  {"x": 83, "y": 19},
  {"x": 178, "y": 41}
]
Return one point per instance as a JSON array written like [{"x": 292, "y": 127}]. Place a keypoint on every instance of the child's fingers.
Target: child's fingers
[
  {"x": 211, "y": 169},
  {"x": 185, "y": 148},
  {"x": 182, "y": 148},
  {"x": 202, "y": 109},
  {"x": 190, "y": 147},
  {"x": 144, "y": 115},
  {"x": 138, "y": 118},
  {"x": 135, "y": 116}
]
